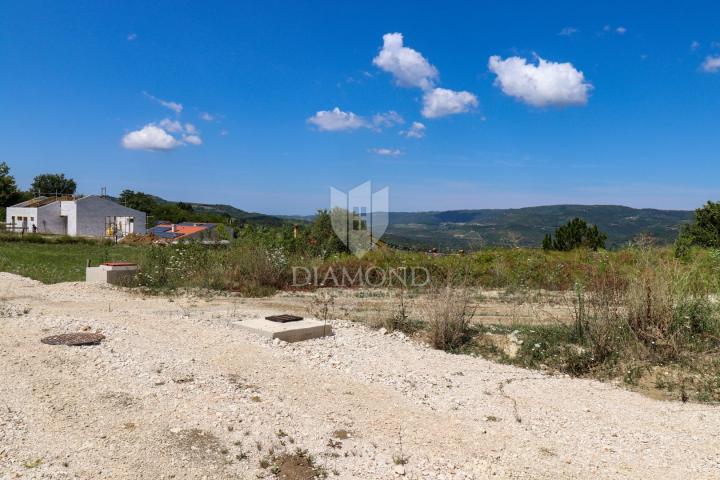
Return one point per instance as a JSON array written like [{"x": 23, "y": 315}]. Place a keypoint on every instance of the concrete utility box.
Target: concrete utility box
[
  {"x": 114, "y": 273},
  {"x": 288, "y": 332}
]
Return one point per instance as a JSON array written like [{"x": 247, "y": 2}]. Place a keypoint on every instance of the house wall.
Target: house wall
[
  {"x": 68, "y": 211},
  {"x": 46, "y": 218},
  {"x": 91, "y": 213},
  {"x": 21, "y": 212},
  {"x": 49, "y": 219}
]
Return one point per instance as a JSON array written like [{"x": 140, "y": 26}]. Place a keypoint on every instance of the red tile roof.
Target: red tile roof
[{"x": 184, "y": 230}]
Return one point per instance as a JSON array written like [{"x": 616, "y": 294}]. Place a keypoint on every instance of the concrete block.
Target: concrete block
[
  {"x": 112, "y": 273},
  {"x": 289, "y": 332}
]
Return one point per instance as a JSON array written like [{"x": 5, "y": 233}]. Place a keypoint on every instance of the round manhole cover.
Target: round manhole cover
[{"x": 74, "y": 339}]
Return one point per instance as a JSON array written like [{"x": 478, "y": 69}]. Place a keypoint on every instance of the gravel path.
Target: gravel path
[{"x": 178, "y": 391}]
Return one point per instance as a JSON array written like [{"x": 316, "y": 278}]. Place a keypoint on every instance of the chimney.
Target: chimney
[{"x": 172, "y": 228}]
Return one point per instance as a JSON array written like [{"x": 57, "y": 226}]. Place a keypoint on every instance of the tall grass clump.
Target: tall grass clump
[{"x": 447, "y": 312}]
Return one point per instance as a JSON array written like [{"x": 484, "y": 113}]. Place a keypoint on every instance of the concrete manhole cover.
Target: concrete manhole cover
[{"x": 74, "y": 339}]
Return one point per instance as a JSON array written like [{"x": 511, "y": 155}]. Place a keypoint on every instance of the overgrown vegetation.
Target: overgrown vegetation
[{"x": 656, "y": 327}]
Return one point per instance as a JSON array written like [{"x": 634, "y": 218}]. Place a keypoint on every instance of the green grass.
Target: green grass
[{"x": 59, "y": 262}]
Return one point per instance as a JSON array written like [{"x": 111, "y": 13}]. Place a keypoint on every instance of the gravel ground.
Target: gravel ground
[{"x": 176, "y": 390}]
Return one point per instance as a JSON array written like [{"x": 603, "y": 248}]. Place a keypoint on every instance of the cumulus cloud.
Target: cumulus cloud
[
  {"x": 408, "y": 66},
  {"x": 171, "y": 125},
  {"x": 416, "y": 130},
  {"x": 160, "y": 136},
  {"x": 150, "y": 137},
  {"x": 620, "y": 30},
  {"x": 132, "y": 37},
  {"x": 207, "y": 116},
  {"x": 547, "y": 83},
  {"x": 387, "y": 152},
  {"x": 174, "y": 106},
  {"x": 711, "y": 64},
  {"x": 440, "y": 102},
  {"x": 336, "y": 120},
  {"x": 193, "y": 139},
  {"x": 694, "y": 45},
  {"x": 387, "y": 119},
  {"x": 568, "y": 31}
]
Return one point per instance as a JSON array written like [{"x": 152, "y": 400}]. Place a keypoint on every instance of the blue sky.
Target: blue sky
[{"x": 603, "y": 102}]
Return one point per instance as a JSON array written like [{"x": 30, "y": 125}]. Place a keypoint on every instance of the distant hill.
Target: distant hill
[
  {"x": 526, "y": 227},
  {"x": 240, "y": 215}
]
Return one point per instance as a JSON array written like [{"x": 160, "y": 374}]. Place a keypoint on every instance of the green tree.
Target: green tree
[
  {"x": 547, "y": 242},
  {"x": 704, "y": 231},
  {"x": 574, "y": 234},
  {"x": 138, "y": 200},
  {"x": 8, "y": 188},
  {"x": 323, "y": 237},
  {"x": 52, "y": 184}
]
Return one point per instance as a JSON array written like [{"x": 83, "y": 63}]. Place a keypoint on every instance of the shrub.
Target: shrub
[
  {"x": 448, "y": 312},
  {"x": 574, "y": 234}
]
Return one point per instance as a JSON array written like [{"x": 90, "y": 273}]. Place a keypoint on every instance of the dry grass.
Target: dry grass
[{"x": 447, "y": 313}]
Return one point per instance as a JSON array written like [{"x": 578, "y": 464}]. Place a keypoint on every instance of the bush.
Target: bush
[
  {"x": 575, "y": 234},
  {"x": 447, "y": 313}
]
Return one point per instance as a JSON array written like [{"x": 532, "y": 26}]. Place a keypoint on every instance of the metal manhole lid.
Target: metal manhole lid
[
  {"x": 284, "y": 318},
  {"x": 74, "y": 339}
]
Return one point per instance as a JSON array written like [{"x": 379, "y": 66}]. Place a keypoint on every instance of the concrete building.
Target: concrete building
[{"x": 90, "y": 216}]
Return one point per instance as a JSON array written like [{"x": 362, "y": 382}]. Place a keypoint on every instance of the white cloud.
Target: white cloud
[
  {"x": 619, "y": 30},
  {"x": 150, "y": 137},
  {"x": 174, "y": 106},
  {"x": 387, "y": 152},
  {"x": 416, "y": 130},
  {"x": 223, "y": 132},
  {"x": 547, "y": 83},
  {"x": 440, "y": 102},
  {"x": 568, "y": 31},
  {"x": 207, "y": 116},
  {"x": 336, "y": 120},
  {"x": 387, "y": 119},
  {"x": 694, "y": 45},
  {"x": 193, "y": 139},
  {"x": 711, "y": 64},
  {"x": 408, "y": 66},
  {"x": 132, "y": 37},
  {"x": 171, "y": 125},
  {"x": 160, "y": 136}
]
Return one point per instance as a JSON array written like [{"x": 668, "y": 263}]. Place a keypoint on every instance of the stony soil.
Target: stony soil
[{"x": 176, "y": 390}]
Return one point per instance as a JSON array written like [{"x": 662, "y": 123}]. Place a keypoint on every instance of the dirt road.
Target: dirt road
[{"x": 178, "y": 391}]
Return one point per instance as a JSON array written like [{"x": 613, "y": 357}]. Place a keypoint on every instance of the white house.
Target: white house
[{"x": 90, "y": 216}]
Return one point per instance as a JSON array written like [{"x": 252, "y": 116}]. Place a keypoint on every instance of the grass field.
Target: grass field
[{"x": 59, "y": 262}]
